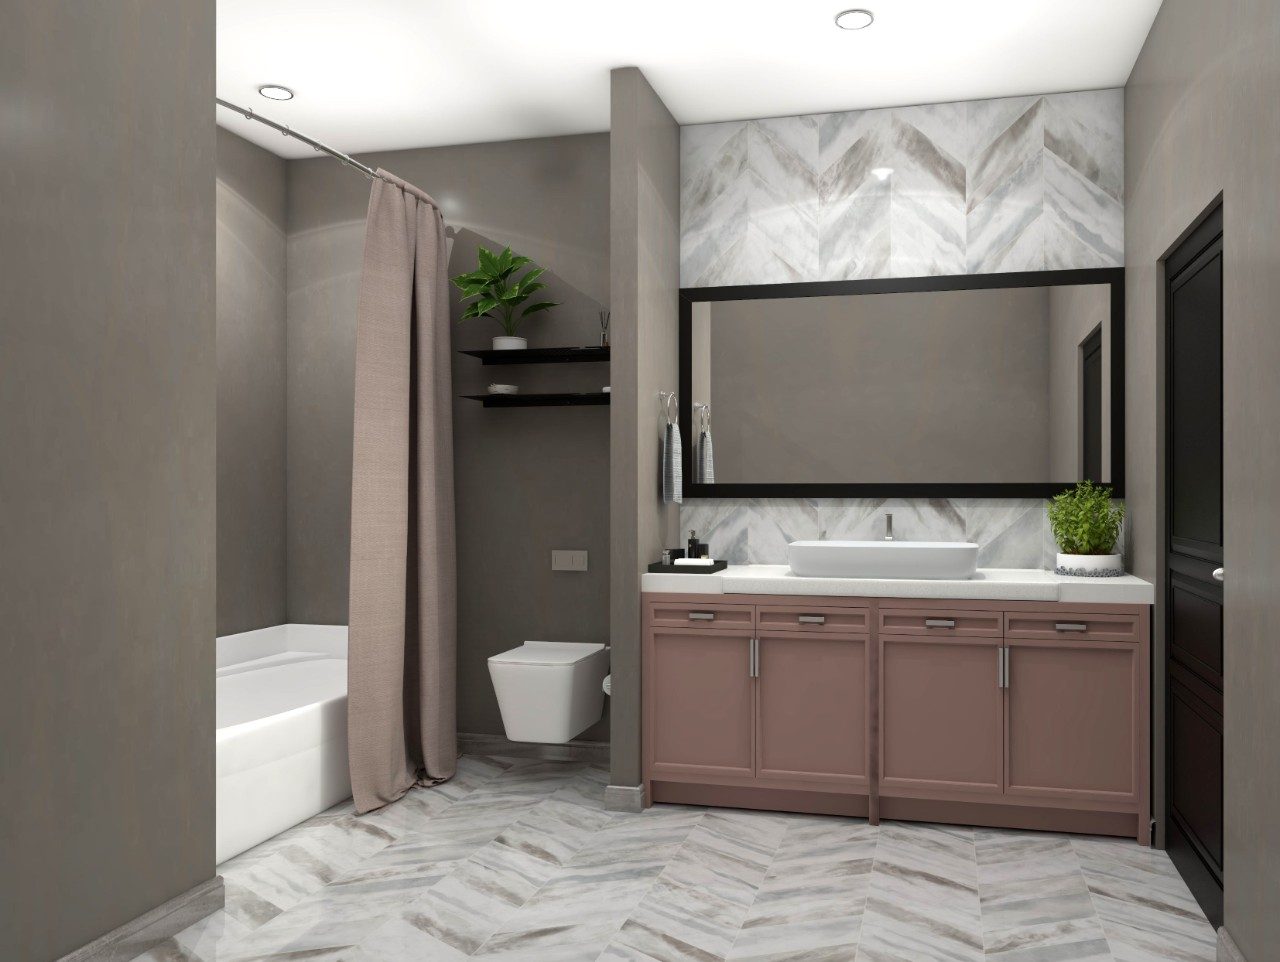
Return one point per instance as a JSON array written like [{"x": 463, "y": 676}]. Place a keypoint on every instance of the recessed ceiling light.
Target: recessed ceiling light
[
  {"x": 854, "y": 19},
  {"x": 882, "y": 173},
  {"x": 275, "y": 92}
]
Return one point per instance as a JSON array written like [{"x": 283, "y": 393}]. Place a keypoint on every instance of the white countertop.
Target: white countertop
[{"x": 993, "y": 584}]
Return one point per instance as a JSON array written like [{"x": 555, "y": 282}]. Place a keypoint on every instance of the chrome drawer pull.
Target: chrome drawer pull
[
  {"x": 813, "y": 619},
  {"x": 939, "y": 622},
  {"x": 702, "y": 616},
  {"x": 1069, "y": 626}
]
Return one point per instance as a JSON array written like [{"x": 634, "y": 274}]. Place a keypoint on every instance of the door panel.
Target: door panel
[
  {"x": 812, "y": 708},
  {"x": 1071, "y": 721},
  {"x": 699, "y": 702},
  {"x": 1193, "y": 598},
  {"x": 941, "y": 715}
]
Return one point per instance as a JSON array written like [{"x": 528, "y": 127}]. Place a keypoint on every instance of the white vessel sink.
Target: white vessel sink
[{"x": 883, "y": 559}]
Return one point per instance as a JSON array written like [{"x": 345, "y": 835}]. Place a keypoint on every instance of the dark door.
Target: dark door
[
  {"x": 1091, "y": 405},
  {"x": 1193, "y": 577}
]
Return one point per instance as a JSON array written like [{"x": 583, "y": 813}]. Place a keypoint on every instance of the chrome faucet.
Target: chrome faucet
[{"x": 888, "y": 527}]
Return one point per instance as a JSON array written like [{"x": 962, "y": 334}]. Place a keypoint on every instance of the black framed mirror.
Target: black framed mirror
[{"x": 982, "y": 385}]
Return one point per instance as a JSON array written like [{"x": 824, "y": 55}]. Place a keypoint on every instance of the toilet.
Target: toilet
[{"x": 549, "y": 691}]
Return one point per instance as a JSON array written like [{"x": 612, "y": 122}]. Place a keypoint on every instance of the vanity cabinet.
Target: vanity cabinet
[
  {"x": 1017, "y": 714},
  {"x": 700, "y": 703},
  {"x": 1071, "y": 720},
  {"x": 941, "y": 717},
  {"x": 811, "y": 709}
]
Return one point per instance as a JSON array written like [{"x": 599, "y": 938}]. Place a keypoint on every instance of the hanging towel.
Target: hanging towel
[
  {"x": 672, "y": 469},
  {"x": 706, "y": 458},
  {"x": 672, "y": 460}
]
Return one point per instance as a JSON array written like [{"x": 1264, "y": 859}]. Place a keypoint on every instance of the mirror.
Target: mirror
[{"x": 978, "y": 385}]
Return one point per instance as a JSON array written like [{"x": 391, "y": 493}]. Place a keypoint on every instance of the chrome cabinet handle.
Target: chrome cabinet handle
[
  {"x": 813, "y": 619},
  {"x": 1069, "y": 626},
  {"x": 939, "y": 622},
  {"x": 1217, "y": 574},
  {"x": 702, "y": 616},
  {"x": 1000, "y": 683},
  {"x": 753, "y": 659}
]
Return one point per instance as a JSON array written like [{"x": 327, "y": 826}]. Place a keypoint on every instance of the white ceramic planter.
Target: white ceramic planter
[
  {"x": 509, "y": 344},
  {"x": 1090, "y": 565}
]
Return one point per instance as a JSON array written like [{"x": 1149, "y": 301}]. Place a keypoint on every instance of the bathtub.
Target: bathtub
[{"x": 281, "y": 731}]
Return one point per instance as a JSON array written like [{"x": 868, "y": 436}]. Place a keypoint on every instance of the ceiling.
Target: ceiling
[{"x": 385, "y": 74}]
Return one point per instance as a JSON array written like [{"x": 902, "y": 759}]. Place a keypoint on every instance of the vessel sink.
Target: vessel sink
[{"x": 883, "y": 559}]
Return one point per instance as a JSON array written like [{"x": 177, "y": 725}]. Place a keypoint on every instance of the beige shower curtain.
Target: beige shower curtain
[{"x": 402, "y": 727}]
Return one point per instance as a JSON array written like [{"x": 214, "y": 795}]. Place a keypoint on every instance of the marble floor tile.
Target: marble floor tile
[{"x": 518, "y": 860}]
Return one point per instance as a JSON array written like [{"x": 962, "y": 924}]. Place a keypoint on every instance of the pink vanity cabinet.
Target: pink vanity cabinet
[{"x": 1001, "y": 713}]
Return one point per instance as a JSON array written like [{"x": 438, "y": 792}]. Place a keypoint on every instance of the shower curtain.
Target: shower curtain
[{"x": 402, "y": 726}]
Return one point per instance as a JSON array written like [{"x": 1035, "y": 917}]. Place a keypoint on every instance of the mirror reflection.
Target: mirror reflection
[{"x": 988, "y": 386}]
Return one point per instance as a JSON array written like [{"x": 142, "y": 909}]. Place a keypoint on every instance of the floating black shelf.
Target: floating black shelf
[
  {"x": 542, "y": 355},
  {"x": 539, "y": 400}
]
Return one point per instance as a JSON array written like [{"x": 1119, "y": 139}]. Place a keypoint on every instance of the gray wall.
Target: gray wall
[
  {"x": 1201, "y": 118},
  {"x": 107, "y": 401},
  {"x": 644, "y": 189},
  {"x": 527, "y": 480},
  {"x": 1074, "y": 313},
  {"x": 906, "y": 387},
  {"x": 251, "y": 388}
]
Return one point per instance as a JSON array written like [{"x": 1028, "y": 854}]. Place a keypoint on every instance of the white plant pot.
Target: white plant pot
[
  {"x": 1090, "y": 565},
  {"x": 509, "y": 344}
]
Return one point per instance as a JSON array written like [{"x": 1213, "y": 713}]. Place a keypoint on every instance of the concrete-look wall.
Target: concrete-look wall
[
  {"x": 527, "y": 480},
  {"x": 1074, "y": 313},
  {"x": 107, "y": 421},
  {"x": 645, "y": 265},
  {"x": 1201, "y": 118},
  {"x": 251, "y": 391}
]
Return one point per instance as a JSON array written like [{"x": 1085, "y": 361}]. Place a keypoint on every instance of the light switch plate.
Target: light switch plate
[{"x": 566, "y": 560}]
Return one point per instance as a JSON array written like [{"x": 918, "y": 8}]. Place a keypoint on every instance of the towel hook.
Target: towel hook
[{"x": 670, "y": 402}]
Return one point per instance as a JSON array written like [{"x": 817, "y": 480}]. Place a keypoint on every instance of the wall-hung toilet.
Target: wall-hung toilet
[{"x": 549, "y": 691}]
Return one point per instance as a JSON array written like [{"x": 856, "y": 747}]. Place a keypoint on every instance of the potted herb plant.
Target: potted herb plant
[
  {"x": 494, "y": 292},
  {"x": 1086, "y": 525}
]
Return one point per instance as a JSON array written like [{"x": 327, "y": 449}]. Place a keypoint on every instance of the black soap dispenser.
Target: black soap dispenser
[{"x": 695, "y": 547}]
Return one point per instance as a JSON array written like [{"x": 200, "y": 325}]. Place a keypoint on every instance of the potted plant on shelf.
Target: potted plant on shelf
[
  {"x": 1086, "y": 525},
  {"x": 494, "y": 293}
]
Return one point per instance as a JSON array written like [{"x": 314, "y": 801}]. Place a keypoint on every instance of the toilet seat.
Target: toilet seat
[{"x": 546, "y": 653}]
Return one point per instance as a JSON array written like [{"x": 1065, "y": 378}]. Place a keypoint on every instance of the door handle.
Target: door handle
[
  {"x": 1069, "y": 626},
  {"x": 753, "y": 659},
  {"x": 939, "y": 622},
  {"x": 702, "y": 616},
  {"x": 1217, "y": 574},
  {"x": 813, "y": 619},
  {"x": 1000, "y": 667}
]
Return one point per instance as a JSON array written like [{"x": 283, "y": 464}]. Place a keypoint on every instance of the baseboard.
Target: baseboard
[
  {"x": 624, "y": 798},
  {"x": 1228, "y": 951},
  {"x": 575, "y": 751},
  {"x": 149, "y": 930}
]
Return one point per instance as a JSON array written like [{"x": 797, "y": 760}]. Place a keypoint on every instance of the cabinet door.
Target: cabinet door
[
  {"x": 698, "y": 703},
  {"x": 1071, "y": 721},
  {"x": 811, "y": 710},
  {"x": 941, "y": 713}
]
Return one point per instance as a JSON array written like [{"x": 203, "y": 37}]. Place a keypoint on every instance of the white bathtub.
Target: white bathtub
[{"x": 282, "y": 730}]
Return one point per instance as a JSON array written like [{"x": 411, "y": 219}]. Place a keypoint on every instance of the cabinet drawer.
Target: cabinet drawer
[
  {"x": 1064, "y": 625},
  {"x": 812, "y": 618},
  {"x": 941, "y": 622},
  {"x": 685, "y": 615}
]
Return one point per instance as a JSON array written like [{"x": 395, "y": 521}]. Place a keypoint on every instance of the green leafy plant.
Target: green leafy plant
[
  {"x": 1084, "y": 520},
  {"x": 494, "y": 293}
]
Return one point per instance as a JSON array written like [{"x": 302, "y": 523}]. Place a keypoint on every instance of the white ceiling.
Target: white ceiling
[{"x": 383, "y": 74}]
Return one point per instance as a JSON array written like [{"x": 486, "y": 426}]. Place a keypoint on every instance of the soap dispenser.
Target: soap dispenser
[{"x": 695, "y": 547}]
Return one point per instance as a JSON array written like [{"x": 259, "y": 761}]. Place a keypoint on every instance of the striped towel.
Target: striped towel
[
  {"x": 705, "y": 470},
  {"x": 672, "y": 469}
]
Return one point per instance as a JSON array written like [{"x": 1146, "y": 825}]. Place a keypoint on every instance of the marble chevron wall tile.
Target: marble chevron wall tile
[
  {"x": 1019, "y": 183},
  {"x": 1010, "y": 532}
]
